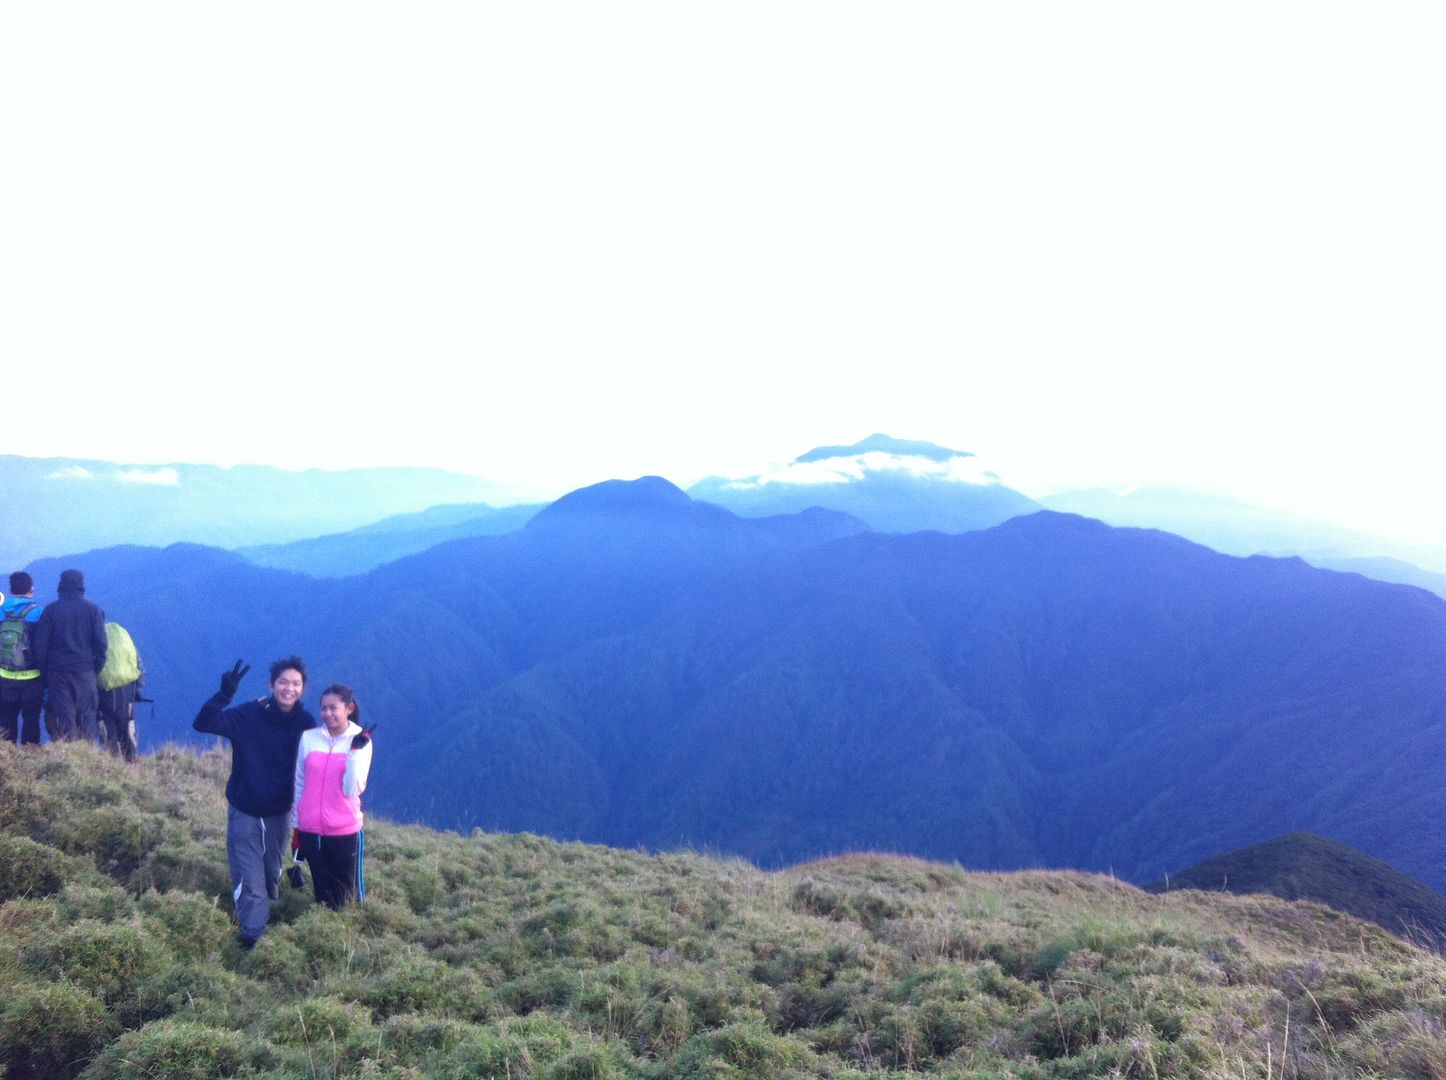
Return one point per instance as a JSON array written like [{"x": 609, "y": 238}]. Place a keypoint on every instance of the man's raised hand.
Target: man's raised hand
[{"x": 230, "y": 680}]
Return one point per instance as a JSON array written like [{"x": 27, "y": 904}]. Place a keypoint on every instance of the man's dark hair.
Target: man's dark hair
[
  {"x": 278, "y": 666},
  {"x": 21, "y": 583}
]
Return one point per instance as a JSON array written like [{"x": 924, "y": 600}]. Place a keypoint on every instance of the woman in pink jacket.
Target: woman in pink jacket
[{"x": 332, "y": 764}]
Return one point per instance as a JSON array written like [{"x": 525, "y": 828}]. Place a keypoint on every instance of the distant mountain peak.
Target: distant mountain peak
[
  {"x": 883, "y": 444},
  {"x": 645, "y": 495}
]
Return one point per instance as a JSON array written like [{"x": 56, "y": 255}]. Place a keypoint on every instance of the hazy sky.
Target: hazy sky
[{"x": 556, "y": 243}]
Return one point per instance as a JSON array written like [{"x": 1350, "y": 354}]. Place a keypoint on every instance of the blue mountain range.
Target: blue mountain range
[{"x": 639, "y": 667}]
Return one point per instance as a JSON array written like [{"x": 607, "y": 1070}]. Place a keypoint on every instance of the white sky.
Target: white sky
[{"x": 555, "y": 243}]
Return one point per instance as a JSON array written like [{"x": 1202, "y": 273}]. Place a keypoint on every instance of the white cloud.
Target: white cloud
[
  {"x": 964, "y": 469},
  {"x": 159, "y": 477},
  {"x": 71, "y": 472}
]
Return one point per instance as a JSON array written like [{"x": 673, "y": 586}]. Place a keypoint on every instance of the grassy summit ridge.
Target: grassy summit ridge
[{"x": 514, "y": 956}]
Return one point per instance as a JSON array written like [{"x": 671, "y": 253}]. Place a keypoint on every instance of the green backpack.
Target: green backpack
[
  {"x": 122, "y": 664},
  {"x": 15, "y": 640}
]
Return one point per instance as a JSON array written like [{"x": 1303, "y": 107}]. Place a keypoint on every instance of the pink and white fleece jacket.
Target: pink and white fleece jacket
[{"x": 330, "y": 779}]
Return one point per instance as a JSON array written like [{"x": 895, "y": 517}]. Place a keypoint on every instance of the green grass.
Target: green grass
[{"x": 518, "y": 957}]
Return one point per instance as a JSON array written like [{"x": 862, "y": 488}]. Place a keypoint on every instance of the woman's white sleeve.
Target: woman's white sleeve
[{"x": 358, "y": 768}]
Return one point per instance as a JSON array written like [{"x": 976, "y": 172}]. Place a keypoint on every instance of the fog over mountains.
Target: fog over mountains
[
  {"x": 1238, "y": 528},
  {"x": 637, "y": 666},
  {"x": 55, "y": 506}
]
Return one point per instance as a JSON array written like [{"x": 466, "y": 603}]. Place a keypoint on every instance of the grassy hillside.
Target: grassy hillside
[
  {"x": 514, "y": 956},
  {"x": 1303, "y": 866}
]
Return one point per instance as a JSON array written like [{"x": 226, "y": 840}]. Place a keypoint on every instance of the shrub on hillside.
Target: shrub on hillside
[
  {"x": 916, "y": 1035},
  {"x": 103, "y": 902},
  {"x": 319, "y": 1019},
  {"x": 28, "y": 868},
  {"x": 190, "y": 923},
  {"x": 326, "y": 940},
  {"x": 203, "y": 992},
  {"x": 382, "y": 916},
  {"x": 511, "y": 1047},
  {"x": 935, "y": 938},
  {"x": 411, "y": 1037},
  {"x": 576, "y": 926},
  {"x": 50, "y": 1031},
  {"x": 416, "y": 983},
  {"x": 870, "y": 907},
  {"x": 417, "y": 882},
  {"x": 278, "y": 962},
  {"x": 179, "y": 1050},
  {"x": 125, "y": 839},
  {"x": 744, "y": 1051},
  {"x": 177, "y": 863},
  {"x": 1410, "y": 1045},
  {"x": 589, "y": 1060},
  {"x": 106, "y": 959}
]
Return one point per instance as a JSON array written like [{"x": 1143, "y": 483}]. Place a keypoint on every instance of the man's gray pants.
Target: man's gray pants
[
  {"x": 254, "y": 846},
  {"x": 71, "y": 712}
]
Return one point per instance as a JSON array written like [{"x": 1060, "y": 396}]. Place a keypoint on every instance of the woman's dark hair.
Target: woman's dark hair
[
  {"x": 278, "y": 666},
  {"x": 344, "y": 692}
]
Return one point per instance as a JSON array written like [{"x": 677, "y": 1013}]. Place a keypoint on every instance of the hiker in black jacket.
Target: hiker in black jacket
[
  {"x": 69, "y": 646},
  {"x": 264, "y": 735}
]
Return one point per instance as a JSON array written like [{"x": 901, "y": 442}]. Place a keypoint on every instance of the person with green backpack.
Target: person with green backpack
[
  {"x": 22, "y": 687},
  {"x": 119, "y": 684}
]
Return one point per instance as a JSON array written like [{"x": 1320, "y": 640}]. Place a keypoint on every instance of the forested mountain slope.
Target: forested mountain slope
[
  {"x": 1051, "y": 692},
  {"x": 638, "y": 668}
]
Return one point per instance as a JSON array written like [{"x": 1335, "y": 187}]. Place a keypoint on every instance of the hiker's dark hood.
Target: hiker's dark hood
[{"x": 72, "y": 583}]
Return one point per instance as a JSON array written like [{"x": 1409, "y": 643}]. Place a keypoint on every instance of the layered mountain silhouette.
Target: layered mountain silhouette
[
  {"x": 359, "y": 550},
  {"x": 325, "y": 523},
  {"x": 637, "y": 667},
  {"x": 1303, "y": 866}
]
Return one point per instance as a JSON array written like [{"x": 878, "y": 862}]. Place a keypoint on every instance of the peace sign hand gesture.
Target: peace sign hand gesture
[{"x": 230, "y": 680}]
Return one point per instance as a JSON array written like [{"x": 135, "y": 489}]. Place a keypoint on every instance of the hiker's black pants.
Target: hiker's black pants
[
  {"x": 335, "y": 863},
  {"x": 71, "y": 712},
  {"x": 20, "y": 709}
]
